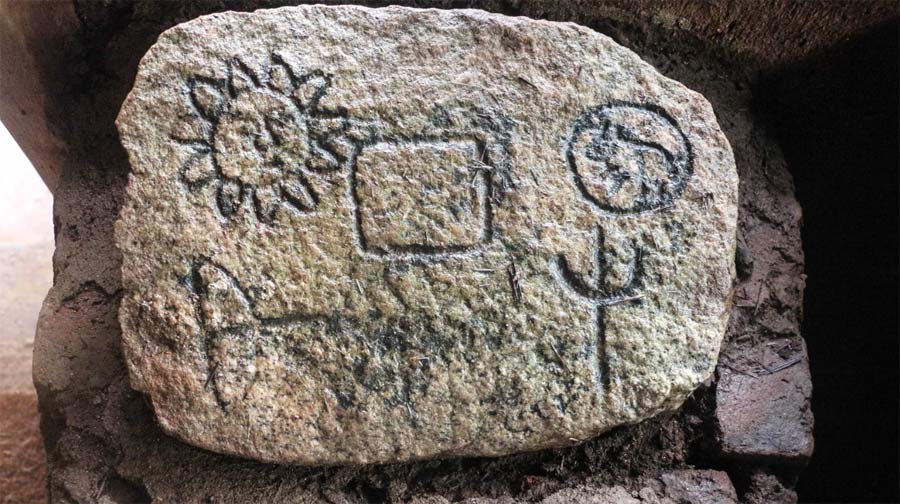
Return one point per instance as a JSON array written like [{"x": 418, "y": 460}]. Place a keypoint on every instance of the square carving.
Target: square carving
[{"x": 422, "y": 197}]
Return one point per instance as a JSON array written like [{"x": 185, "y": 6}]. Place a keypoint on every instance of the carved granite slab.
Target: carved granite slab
[{"x": 361, "y": 236}]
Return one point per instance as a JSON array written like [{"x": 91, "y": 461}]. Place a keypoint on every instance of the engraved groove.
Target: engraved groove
[
  {"x": 600, "y": 185},
  {"x": 598, "y": 296},
  {"x": 486, "y": 132},
  {"x": 251, "y": 103}
]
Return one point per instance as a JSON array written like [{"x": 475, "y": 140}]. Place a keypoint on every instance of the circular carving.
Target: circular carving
[
  {"x": 629, "y": 158},
  {"x": 260, "y": 139},
  {"x": 257, "y": 135}
]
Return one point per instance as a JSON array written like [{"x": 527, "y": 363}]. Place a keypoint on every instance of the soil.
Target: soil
[
  {"x": 101, "y": 439},
  {"x": 23, "y": 469}
]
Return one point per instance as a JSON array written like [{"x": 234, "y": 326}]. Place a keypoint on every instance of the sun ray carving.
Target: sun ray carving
[{"x": 261, "y": 140}]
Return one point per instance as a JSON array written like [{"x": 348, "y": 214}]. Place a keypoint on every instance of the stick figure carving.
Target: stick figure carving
[
  {"x": 626, "y": 159},
  {"x": 597, "y": 292}
]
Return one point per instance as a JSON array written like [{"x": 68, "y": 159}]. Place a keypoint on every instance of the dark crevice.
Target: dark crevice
[{"x": 836, "y": 117}]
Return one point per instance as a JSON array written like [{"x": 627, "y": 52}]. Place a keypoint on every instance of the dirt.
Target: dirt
[
  {"x": 102, "y": 442},
  {"x": 23, "y": 469}
]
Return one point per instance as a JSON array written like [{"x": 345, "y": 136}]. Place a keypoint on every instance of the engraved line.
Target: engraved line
[
  {"x": 681, "y": 166},
  {"x": 419, "y": 253}
]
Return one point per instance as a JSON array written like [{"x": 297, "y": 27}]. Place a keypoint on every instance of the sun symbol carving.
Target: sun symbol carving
[{"x": 263, "y": 140}]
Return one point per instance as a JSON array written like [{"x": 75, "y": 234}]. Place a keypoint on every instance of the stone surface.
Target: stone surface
[
  {"x": 102, "y": 441},
  {"x": 434, "y": 247},
  {"x": 676, "y": 487},
  {"x": 763, "y": 411},
  {"x": 763, "y": 392},
  {"x": 765, "y": 488}
]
